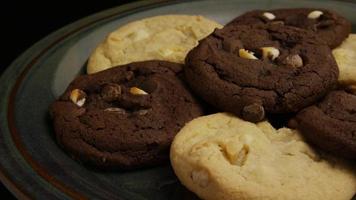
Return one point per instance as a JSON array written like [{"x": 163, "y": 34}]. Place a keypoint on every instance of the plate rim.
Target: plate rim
[{"x": 10, "y": 88}]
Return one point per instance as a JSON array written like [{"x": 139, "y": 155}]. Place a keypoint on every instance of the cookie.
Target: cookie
[
  {"x": 345, "y": 56},
  {"x": 328, "y": 25},
  {"x": 252, "y": 69},
  {"x": 166, "y": 37},
  {"x": 124, "y": 117},
  {"x": 223, "y": 157},
  {"x": 331, "y": 124}
]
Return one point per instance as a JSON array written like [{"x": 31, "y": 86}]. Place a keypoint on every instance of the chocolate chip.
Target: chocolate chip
[
  {"x": 232, "y": 45},
  {"x": 110, "y": 92},
  {"x": 129, "y": 75},
  {"x": 253, "y": 113},
  {"x": 293, "y": 60},
  {"x": 323, "y": 24}
]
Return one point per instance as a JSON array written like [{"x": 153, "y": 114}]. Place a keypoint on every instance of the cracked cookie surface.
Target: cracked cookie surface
[
  {"x": 252, "y": 69},
  {"x": 328, "y": 25},
  {"x": 331, "y": 124},
  {"x": 222, "y": 157},
  {"x": 124, "y": 117}
]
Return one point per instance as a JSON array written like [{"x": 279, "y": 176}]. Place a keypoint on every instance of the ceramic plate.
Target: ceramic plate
[{"x": 32, "y": 165}]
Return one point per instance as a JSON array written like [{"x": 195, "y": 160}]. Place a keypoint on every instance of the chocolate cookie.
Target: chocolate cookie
[
  {"x": 252, "y": 69},
  {"x": 331, "y": 124},
  {"x": 327, "y": 24},
  {"x": 124, "y": 117}
]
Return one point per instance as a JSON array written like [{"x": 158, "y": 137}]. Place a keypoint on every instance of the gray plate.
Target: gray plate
[{"x": 31, "y": 164}]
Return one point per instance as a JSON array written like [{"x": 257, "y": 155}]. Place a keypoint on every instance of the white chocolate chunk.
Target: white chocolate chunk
[
  {"x": 243, "y": 53},
  {"x": 270, "y": 52},
  {"x": 77, "y": 96},
  {"x": 269, "y": 15},
  {"x": 315, "y": 14},
  {"x": 137, "y": 91}
]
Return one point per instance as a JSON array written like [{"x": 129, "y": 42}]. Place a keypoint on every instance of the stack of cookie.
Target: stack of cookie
[{"x": 260, "y": 66}]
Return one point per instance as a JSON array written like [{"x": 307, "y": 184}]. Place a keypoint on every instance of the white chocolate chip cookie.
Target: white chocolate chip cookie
[
  {"x": 223, "y": 157},
  {"x": 345, "y": 56},
  {"x": 166, "y": 37}
]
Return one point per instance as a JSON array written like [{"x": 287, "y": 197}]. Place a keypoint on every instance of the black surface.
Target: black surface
[{"x": 23, "y": 24}]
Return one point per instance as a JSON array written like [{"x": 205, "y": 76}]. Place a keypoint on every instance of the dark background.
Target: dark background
[{"x": 23, "y": 24}]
